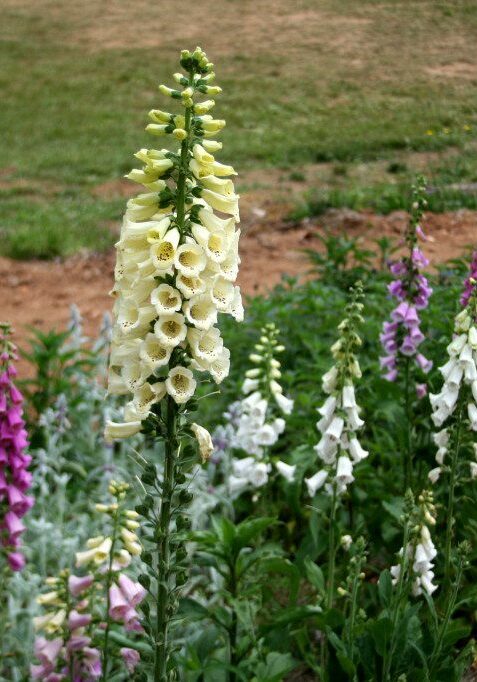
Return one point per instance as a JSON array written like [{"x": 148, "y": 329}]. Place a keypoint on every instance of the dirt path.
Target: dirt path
[{"x": 39, "y": 293}]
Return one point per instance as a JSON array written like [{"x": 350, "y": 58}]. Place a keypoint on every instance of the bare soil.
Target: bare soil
[{"x": 39, "y": 293}]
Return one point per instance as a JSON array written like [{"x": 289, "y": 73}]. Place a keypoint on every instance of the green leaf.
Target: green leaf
[
  {"x": 381, "y": 631},
  {"x": 385, "y": 588},
  {"x": 347, "y": 664},
  {"x": 275, "y": 668},
  {"x": 456, "y": 631},
  {"x": 191, "y": 608},
  {"x": 291, "y": 615},
  {"x": 251, "y": 528},
  {"x": 285, "y": 566},
  {"x": 314, "y": 575}
]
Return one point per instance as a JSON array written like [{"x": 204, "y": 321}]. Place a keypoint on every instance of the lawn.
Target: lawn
[{"x": 335, "y": 83}]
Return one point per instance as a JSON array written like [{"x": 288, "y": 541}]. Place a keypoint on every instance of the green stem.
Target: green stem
[
  {"x": 445, "y": 622},
  {"x": 352, "y": 617},
  {"x": 408, "y": 477},
  {"x": 109, "y": 580},
  {"x": 331, "y": 578},
  {"x": 3, "y": 620},
  {"x": 450, "y": 503},
  {"x": 163, "y": 548},
  {"x": 332, "y": 551},
  {"x": 388, "y": 656},
  {"x": 234, "y": 625},
  {"x": 165, "y": 589}
]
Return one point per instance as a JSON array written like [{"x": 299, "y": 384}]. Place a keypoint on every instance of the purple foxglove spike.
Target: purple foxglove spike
[
  {"x": 132, "y": 591},
  {"x": 78, "y": 585},
  {"x": 130, "y": 657},
  {"x": 424, "y": 363},
  {"x": 421, "y": 391},
  {"x": 13, "y": 525},
  {"x": 398, "y": 269},
  {"x": 391, "y": 376},
  {"x": 16, "y": 561},
  {"x": 468, "y": 286},
  {"x": 78, "y": 620},
  {"x": 388, "y": 362},
  {"x": 408, "y": 346},
  {"x": 119, "y": 605}
]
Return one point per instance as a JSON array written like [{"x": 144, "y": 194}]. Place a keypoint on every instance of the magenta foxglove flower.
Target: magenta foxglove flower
[
  {"x": 402, "y": 336},
  {"x": 15, "y": 479},
  {"x": 469, "y": 285}
]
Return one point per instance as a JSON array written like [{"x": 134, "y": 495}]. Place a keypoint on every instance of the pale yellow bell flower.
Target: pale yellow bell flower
[
  {"x": 190, "y": 286},
  {"x": 203, "y": 107},
  {"x": 134, "y": 374},
  {"x": 222, "y": 186},
  {"x": 144, "y": 398},
  {"x": 190, "y": 259},
  {"x": 50, "y": 622},
  {"x": 166, "y": 299},
  {"x": 228, "y": 204},
  {"x": 222, "y": 294},
  {"x": 180, "y": 384},
  {"x": 206, "y": 345},
  {"x": 204, "y": 439},
  {"x": 170, "y": 329},
  {"x": 201, "y": 155},
  {"x": 48, "y": 599},
  {"x": 154, "y": 353},
  {"x": 200, "y": 311},
  {"x": 163, "y": 252},
  {"x": 96, "y": 555},
  {"x": 212, "y": 145}
]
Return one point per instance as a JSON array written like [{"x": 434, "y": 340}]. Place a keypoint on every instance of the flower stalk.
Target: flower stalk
[
  {"x": 402, "y": 335},
  {"x": 177, "y": 262}
]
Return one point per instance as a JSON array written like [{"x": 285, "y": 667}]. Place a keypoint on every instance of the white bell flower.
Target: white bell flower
[
  {"x": 285, "y": 404},
  {"x": 344, "y": 470},
  {"x": 316, "y": 481},
  {"x": 356, "y": 451},
  {"x": 154, "y": 352},
  {"x": 286, "y": 470}
]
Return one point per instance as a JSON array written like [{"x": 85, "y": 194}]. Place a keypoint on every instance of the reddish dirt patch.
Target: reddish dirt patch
[{"x": 39, "y": 293}]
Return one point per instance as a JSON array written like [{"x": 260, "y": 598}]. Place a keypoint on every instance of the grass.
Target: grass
[{"x": 346, "y": 82}]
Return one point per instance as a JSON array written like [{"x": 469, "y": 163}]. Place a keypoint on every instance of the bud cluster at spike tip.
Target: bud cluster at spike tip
[
  {"x": 402, "y": 335},
  {"x": 15, "y": 479},
  {"x": 460, "y": 383},
  {"x": 420, "y": 551},
  {"x": 68, "y": 642},
  {"x": 255, "y": 422},
  {"x": 470, "y": 282},
  {"x": 339, "y": 449},
  {"x": 177, "y": 260}
]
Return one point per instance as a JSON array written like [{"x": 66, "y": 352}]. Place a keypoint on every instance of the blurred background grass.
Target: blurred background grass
[{"x": 364, "y": 92}]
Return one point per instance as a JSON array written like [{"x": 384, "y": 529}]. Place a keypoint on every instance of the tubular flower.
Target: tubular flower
[
  {"x": 418, "y": 556},
  {"x": 255, "y": 422},
  {"x": 339, "y": 448},
  {"x": 70, "y": 647},
  {"x": 458, "y": 396},
  {"x": 177, "y": 260},
  {"x": 470, "y": 282},
  {"x": 402, "y": 336},
  {"x": 15, "y": 479}
]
